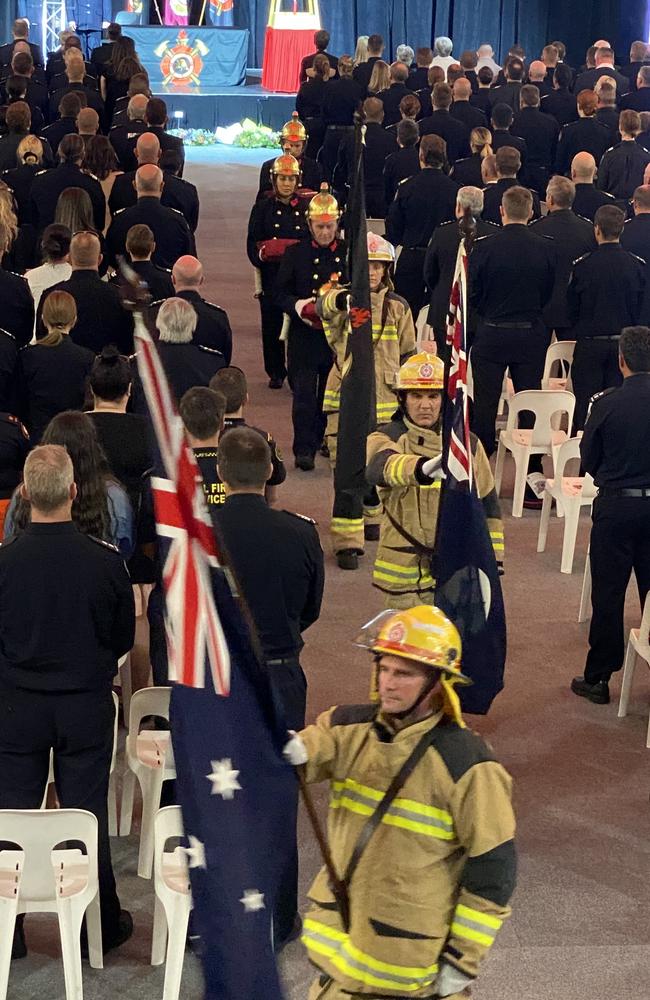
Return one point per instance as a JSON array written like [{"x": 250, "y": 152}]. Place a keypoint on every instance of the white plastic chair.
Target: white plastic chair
[
  {"x": 39, "y": 879},
  {"x": 173, "y": 900},
  {"x": 150, "y": 759},
  {"x": 571, "y": 494},
  {"x": 542, "y": 439},
  {"x": 423, "y": 330},
  {"x": 112, "y": 784},
  {"x": 377, "y": 226},
  {"x": 507, "y": 392},
  {"x": 638, "y": 644},
  {"x": 561, "y": 354}
]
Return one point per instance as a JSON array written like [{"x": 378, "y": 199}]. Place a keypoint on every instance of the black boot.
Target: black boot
[
  {"x": 305, "y": 462},
  {"x": 597, "y": 693},
  {"x": 348, "y": 559}
]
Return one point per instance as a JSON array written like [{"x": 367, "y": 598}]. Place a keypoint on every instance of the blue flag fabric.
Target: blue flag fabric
[
  {"x": 235, "y": 793},
  {"x": 220, "y": 13}
]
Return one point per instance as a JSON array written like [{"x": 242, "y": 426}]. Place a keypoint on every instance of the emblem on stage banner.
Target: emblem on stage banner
[
  {"x": 182, "y": 63},
  {"x": 134, "y": 6},
  {"x": 220, "y": 7}
]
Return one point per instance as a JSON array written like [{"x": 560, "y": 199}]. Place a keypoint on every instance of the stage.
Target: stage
[{"x": 226, "y": 105}]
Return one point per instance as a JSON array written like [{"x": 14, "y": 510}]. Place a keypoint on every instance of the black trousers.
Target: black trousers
[
  {"x": 309, "y": 360},
  {"x": 595, "y": 367},
  {"x": 272, "y": 347},
  {"x": 522, "y": 351},
  {"x": 78, "y": 726},
  {"x": 620, "y": 543},
  {"x": 289, "y": 691},
  {"x": 409, "y": 280},
  {"x": 330, "y": 149}
]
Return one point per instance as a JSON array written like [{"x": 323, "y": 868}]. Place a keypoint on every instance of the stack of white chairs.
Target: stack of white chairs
[
  {"x": 150, "y": 759},
  {"x": 173, "y": 900},
  {"x": 559, "y": 355},
  {"x": 39, "y": 879}
]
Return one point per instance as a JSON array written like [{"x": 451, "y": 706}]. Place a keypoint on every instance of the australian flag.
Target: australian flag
[
  {"x": 468, "y": 588},
  {"x": 234, "y": 789}
]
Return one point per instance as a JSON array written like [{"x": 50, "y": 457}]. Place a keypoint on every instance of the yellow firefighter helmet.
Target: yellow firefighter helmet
[
  {"x": 421, "y": 371},
  {"x": 323, "y": 207},
  {"x": 293, "y": 130}
]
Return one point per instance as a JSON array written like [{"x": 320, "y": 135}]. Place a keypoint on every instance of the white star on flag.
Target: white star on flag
[
  {"x": 253, "y": 900},
  {"x": 224, "y": 778},
  {"x": 195, "y": 853}
]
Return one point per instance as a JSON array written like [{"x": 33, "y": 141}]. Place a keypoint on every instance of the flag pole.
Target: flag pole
[{"x": 338, "y": 886}]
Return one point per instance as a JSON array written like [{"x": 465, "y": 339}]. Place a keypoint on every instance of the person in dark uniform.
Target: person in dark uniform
[
  {"x": 48, "y": 185},
  {"x": 276, "y": 223},
  {"x": 101, "y": 54},
  {"x": 440, "y": 261},
  {"x": 540, "y": 133},
  {"x": 508, "y": 166},
  {"x": 75, "y": 73},
  {"x": 422, "y": 203},
  {"x": 622, "y": 167},
  {"x": 419, "y": 75},
  {"x": 441, "y": 122},
  {"x": 461, "y": 109},
  {"x": 392, "y": 97},
  {"x": 20, "y": 32},
  {"x": 510, "y": 81},
  {"x": 481, "y": 99},
  {"x": 321, "y": 41},
  {"x": 293, "y": 140},
  {"x": 341, "y": 98},
  {"x": 17, "y": 313},
  {"x": 140, "y": 245},
  {"x": 379, "y": 144},
  {"x": 277, "y": 562},
  {"x": 231, "y": 383},
  {"x": 305, "y": 268},
  {"x": 101, "y": 319},
  {"x": 511, "y": 279},
  {"x": 639, "y": 97},
  {"x": 635, "y": 237},
  {"x": 604, "y": 295},
  {"x": 124, "y": 136},
  {"x": 186, "y": 363},
  {"x": 501, "y": 120},
  {"x": 14, "y": 448},
  {"x": 560, "y": 102},
  {"x": 587, "y": 135},
  {"x": 588, "y": 198},
  {"x": 22, "y": 65},
  {"x": 363, "y": 71},
  {"x": 176, "y": 193},
  {"x": 572, "y": 237},
  {"x": 405, "y": 162},
  {"x": 66, "y": 616},
  {"x": 639, "y": 58},
  {"x": 171, "y": 232},
  {"x": 213, "y": 326},
  {"x": 66, "y": 124},
  {"x": 467, "y": 172},
  {"x": 156, "y": 119},
  {"x": 202, "y": 411},
  {"x": 614, "y": 450},
  {"x": 604, "y": 66}
]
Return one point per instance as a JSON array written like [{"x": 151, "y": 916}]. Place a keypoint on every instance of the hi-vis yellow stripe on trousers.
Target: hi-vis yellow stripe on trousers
[
  {"x": 337, "y": 947},
  {"x": 475, "y": 926},
  {"x": 404, "y": 813}
]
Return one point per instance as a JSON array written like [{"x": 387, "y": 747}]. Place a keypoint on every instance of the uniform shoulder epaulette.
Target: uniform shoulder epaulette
[
  {"x": 11, "y": 419},
  {"x": 301, "y": 517},
  {"x": 349, "y": 715},
  {"x": 210, "y": 350},
  {"x": 165, "y": 270},
  {"x": 584, "y": 257},
  {"x": 449, "y": 222},
  {"x": 214, "y": 305},
  {"x": 119, "y": 212},
  {"x": 39, "y": 172},
  {"x": 158, "y": 302},
  {"x": 636, "y": 257},
  {"x": 6, "y": 333},
  {"x": 8, "y": 541},
  {"x": 481, "y": 239},
  {"x": 488, "y": 222},
  {"x": 403, "y": 181},
  {"x": 177, "y": 210},
  {"x": 610, "y": 148},
  {"x": 105, "y": 544},
  {"x": 599, "y": 395},
  {"x": 583, "y": 217},
  {"x": 460, "y": 749}
]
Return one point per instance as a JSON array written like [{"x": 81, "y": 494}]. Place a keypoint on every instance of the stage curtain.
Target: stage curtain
[{"x": 8, "y": 12}]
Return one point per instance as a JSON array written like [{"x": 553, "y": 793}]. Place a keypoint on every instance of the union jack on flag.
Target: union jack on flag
[
  {"x": 194, "y": 629},
  {"x": 459, "y": 463}
]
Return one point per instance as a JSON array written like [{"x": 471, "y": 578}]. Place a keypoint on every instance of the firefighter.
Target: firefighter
[
  {"x": 421, "y": 826},
  {"x": 404, "y": 464},
  {"x": 305, "y": 268},
  {"x": 293, "y": 140},
  {"x": 275, "y": 223},
  {"x": 393, "y": 335}
]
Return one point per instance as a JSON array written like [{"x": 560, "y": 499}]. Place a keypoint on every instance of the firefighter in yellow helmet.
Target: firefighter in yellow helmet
[
  {"x": 421, "y": 827},
  {"x": 305, "y": 268},
  {"x": 276, "y": 222},
  {"x": 393, "y": 336},
  {"x": 293, "y": 140},
  {"x": 404, "y": 463}
]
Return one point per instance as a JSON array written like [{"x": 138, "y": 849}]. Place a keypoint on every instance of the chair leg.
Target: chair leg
[
  {"x": 126, "y": 811},
  {"x": 178, "y": 920},
  {"x": 498, "y": 468},
  {"x": 571, "y": 518},
  {"x": 585, "y": 596},
  {"x": 543, "y": 522},
  {"x": 159, "y": 936},
  {"x": 112, "y": 806},
  {"x": 8, "y": 910},
  {"x": 151, "y": 785},
  {"x": 521, "y": 471},
  {"x": 647, "y": 739},
  {"x": 94, "y": 931},
  {"x": 70, "y": 929},
  {"x": 628, "y": 676}
]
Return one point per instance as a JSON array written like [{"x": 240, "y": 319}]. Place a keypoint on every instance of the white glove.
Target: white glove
[
  {"x": 451, "y": 981},
  {"x": 295, "y": 751},
  {"x": 433, "y": 468},
  {"x": 299, "y": 306}
]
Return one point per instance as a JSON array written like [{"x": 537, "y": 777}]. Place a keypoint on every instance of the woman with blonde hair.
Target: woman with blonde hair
[
  {"x": 468, "y": 170},
  {"x": 361, "y": 51},
  {"x": 54, "y": 370},
  {"x": 379, "y": 79},
  {"x": 29, "y": 160},
  {"x": 8, "y": 218}
]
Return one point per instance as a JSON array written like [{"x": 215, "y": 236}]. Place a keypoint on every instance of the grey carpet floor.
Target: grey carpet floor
[{"x": 579, "y": 929}]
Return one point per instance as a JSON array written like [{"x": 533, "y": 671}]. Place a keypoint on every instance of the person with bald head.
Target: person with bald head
[
  {"x": 212, "y": 326},
  {"x": 87, "y": 124},
  {"x": 171, "y": 232},
  {"x": 604, "y": 59},
  {"x": 538, "y": 77},
  {"x": 101, "y": 319},
  {"x": 124, "y": 137},
  {"x": 588, "y": 198},
  {"x": 461, "y": 109},
  {"x": 379, "y": 145},
  {"x": 176, "y": 192},
  {"x": 75, "y": 72}
]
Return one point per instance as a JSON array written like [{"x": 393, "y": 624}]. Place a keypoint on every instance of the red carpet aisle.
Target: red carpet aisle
[{"x": 579, "y": 930}]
